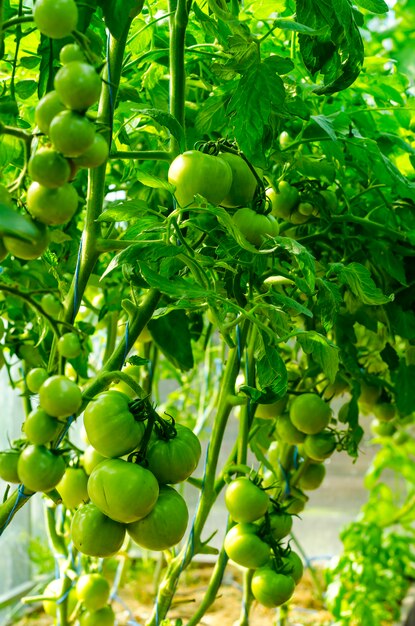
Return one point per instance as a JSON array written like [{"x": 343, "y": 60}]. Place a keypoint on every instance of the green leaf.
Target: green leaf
[
  {"x": 116, "y": 14},
  {"x": 177, "y": 288},
  {"x": 12, "y": 223},
  {"x": 402, "y": 322},
  {"x": 326, "y": 124},
  {"x": 172, "y": 336},
  {"x": 289, "y": 24},
  {"x": 149, "y": 180},
  {"x": 271, "y": 373},
  {"x": 168, "y": 121},
  {"x": 405, "y": 388},
  {"x": 328, "y": 302},
  {"x": 124, "y": 211},
  {"x": 323, "y": 351},
  {"x": 260, "y": 91},
  {"x": 357, "y": 278},
  {"x": 26, "y": 88},
  {"x": 374, "y": 6}
]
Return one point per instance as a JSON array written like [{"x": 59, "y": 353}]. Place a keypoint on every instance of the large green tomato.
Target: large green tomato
[
  {"x": 53, "y": 592},
  {"x": 71, "y": 133},
  {"x": 124, "y": 491},
  {"x": 110, "y": 426},
  {"x": 52, "y": 206},
  {"x": 312, "y": 477},
  {"x": 271, "y": 589},
  {"x": 320, "y": 446},
  {"x": 95, "y": 534},
  {"x": 73, "y": 487},
  {"x": 39, "y": 427},
  {"x": 283, "y": 201},
  {"x": 245, "y": 501},
  {"x": 244, "y": 183},
  {"x": 28, "y": 250},
  {"x": 243, "y": 546},
  {"x": 8, "y": 466},
  {"x": 194, "y": 172},
  {"x": 287, "y": 432},
  {"x": 78, "y": 85},
  {"x": 256, "y": 228},
  {"x": 60, "y": 397},
  {"x": 93, "y": 590},
  {"x": 40, "y": 469},
  {"x": 309, "y": 413},
  {"x": 95, "y": 155},
  {"x": 166, "y": 523},
  {"x": 55, "y": 18},
  {"x": 174, "y": 460},
  {"x": 49, "y": 168},
  {"x": 47, "y": 108},
  {"x": 102, "y": 617},
  {"x": 270, "y": 411}
]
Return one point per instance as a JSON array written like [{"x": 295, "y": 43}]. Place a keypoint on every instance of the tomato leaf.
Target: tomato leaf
[
  {"x": 172, "y": 336},
  {"x": 272, "y": 378},
  {"x": 123, "y": 211},
  {"x": 116, "y": 14},
  {"x": 168, "y": 121},
  {"x": 328, "y": 301},
  {"x": 357, "y": 278},
  {"x": 374, "y": 6},
  {"x": 323, "y": 351},
  {"x": 404, "y": 388}
]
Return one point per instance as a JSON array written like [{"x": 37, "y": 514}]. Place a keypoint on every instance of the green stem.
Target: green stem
[
  {"x": 178, "y": 23},
  {"x": 143, "y": 155},
  {"x": 246, "y": 598},
  {"x": 14, "y": 21}
]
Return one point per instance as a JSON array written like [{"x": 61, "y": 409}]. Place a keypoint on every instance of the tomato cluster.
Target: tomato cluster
[
  {"x": 256, "y": 542},
  {"x": 297, "y": 205}
]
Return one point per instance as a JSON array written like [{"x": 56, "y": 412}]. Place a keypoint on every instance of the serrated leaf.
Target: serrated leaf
[
  {"x": 323, "y": 351},
  {"x": 271, "y": 373},
  {"x": 123, "y": 211},
  {"x": 326, "y": 124},
  {"x": 374, "y": 6},
  {"x": 328, "y": 301},
  {"x": 358, "y": 279},
  {"x": 172, "y": 336},
  {"x": 174, "y": 288},
  {"x": 168, "y": 121},
  {"x": 149, "y": 180}
]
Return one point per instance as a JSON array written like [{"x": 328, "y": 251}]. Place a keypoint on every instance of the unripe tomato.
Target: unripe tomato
[
  {"x": 280, "y": 525},
  {"x": 49, "y": 168},
  {"x": 95, "y": 534},
  {"x": 125, "y": 492},
  {"x": 28, "y": 250},
  {"x": 8, "y": 466},
  {"x": 284, "y": 200},
  {"x": 382, "y": 429},
  {"x": 244, "y": 183},
  {"x": 69, "y": 346},
  {"x": 40, "y": 469},
  {"x": 320, "y": 446},
  {"x": 245, "y": 501},
  {"x": 95, "y": 155},
  {"x": 174, "y": 460},
  {"x": 101, "y": 617},
  {"x": 110, "y": 426},
  {"x": 256, "y": 228},
  {"x": 135, "y": 372},
  {"x": 296, "y": 502},
  {"x": 305, "y": 208},
  {"x": 78, "y": 85},
  {"x": 166, "y": 523},
  {"x": 243, "y": 546},
  {"x": 71, "y": 133},
  {"x": 271, "y": 589},
  {"x": 294, "y": 566},
  {"x": 91, "y": 458},
  {"x": 194, "y": 172},
  {"x": 47, "y": 108},
  {"x": 287, "y": 432},
  {"x": 312, "y": 477},
  {"x": 73, "y": 487},
  {"x": 384, "y": 411},
  {"x": 60, "y": 397},
  {"x": 309, "y": 413},
  {"x": 93, "y": 590},
  {"x": 270, "y": 411},
  {"x": 55, "y": 18},
  {"x": 52, "y": 206},
  {"x": 51, "y": 305},
  {"x": 71, "y": 52},
  {"x": 53, "y": 592},
  {"x": 39, "y": 427},
  {"x": 35, "y": 378}
]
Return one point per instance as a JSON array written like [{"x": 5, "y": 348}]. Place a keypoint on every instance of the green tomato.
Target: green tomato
[
  {"x": 271, "y": 589},
  {"x": 49, "y": 168},
  {"x": 47, "y": 108},
  {"x": 52, "y": 206},
  {"x": 40, "y": 469},
  {"x": 102, "y": 617},
  {"x": 243, "y": 546},
  {"x": 135, "y": 372},
  {"x": 55, "y": 18},
  {"x": 69, "y": 346},
  {"x": 93, "y": 590},
  {"x": 287, "y": 432},
  {"x": 73, "y": 487},
  {"x": 166, "y": 523},
  {"x": 174, "y": 460},
  {"x": 312, "y": 477},
  {"x": 245, "y": 501},
  {"x": 71, "y": 133},
  {"x": 54, "y": 592},
  {"x": 51, "y": 305},
  {"x": 294, "y": 566},
  {"x": 194, "y": 172},
  {"x": 78, "y": 85},
  {"x": 305, "y": 208},
  {"x": 244, "y": 183},
  {"x": 8, "y": 466},
  {"x": 330, "y": 200},
  {"x": 110, "y": 426},
  {"x": 384, "y": 411},
  {"x": 71, "y": 52},
  {"x": 280, "y": 525},
  {"x": 60, "y": 397},
  {"x": 256, "y": 228},
  {"x": 95, "y": 534},
  {"x": 382, "y": 429},
  {"x": 283, "y": 201},
  {"x": 95, "y": 155},
  {"x": 91, "y": 458},
  {"x": 309, "y": 413},
  {"x": 296, "y": 501},
  {"x": 39, "y": 427},
  {"x": 320, "y": 446},
  {"x": 125, "y": 492},
  {"x": 35, "y": 378},
  {"x": 28, "y": 250},
  {"x": 270, "y": 411}
]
